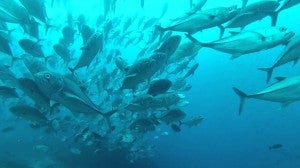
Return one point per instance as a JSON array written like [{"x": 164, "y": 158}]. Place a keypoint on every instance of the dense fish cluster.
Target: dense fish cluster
[{"x": 84, "y": 88}]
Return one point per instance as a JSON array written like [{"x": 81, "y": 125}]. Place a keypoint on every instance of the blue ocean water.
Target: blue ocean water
[{"x": 224, "y": 139}]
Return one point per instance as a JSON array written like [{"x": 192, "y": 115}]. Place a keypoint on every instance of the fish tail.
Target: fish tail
[
  {"x": 14, "y": 59},
  {"x": 10, "y": 31},
  {"x": 72, "y": 70},
  {"x": 243, "y": 96},
  {"x": 107, "y": 116},
  {"x": 160, "y": 29},
  {"x": 48, "y": 26},
  {"x": 269, "y": 72},
  {"x": 194, "y": 40}
]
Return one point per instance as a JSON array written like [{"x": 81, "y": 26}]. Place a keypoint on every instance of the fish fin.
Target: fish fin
[
  {"x": 269, "y": 72},
  {"x": 107, "y": 116},
  {"x": 285, "y": 104},
  {"x": 10, "y": 31},
  {"x": 72, "y": 70},
  {"x": 183, "y": 103},
  {"x": 52, "y": 103},
  {"x": 222, "y": 30},
  {"x": 160, "y": 29},
  {"x": 243, "y": 96},
  {"x": 262, "y": 37},
  {"x": 14, "y": 59},
  {"x": 234, "y": 32},
  {"x": 234, "y": 56},
  {"x": 244, "y": 3},
  {"x": 274, "y": 17},
  {"x": 192, "y": 39},
  {"x": 295, "y": 61},
  {"x": 47, "y": 27},
  {"x": 280, "y": 78}
]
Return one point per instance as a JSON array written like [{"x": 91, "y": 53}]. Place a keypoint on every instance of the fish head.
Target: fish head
[
  {"x": 49, "y": 83},
  {"x": 231, "y": 11}
]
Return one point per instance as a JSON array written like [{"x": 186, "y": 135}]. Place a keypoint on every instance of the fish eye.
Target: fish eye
[
  {"x": 47, "y": 75},
  {"x": 282, "y": 29}
]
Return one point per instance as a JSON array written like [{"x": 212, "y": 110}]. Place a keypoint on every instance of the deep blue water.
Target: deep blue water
[{"x": 223, "y": 140}]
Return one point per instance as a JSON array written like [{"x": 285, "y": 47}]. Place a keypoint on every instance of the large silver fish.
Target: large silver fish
[
  {"x": 253, "y": 12},
  {"x": 204, "y": 20},
  {"x": 66, "y": 92},
  {"x": 290, "y": 53},
  {"x": 249, "y": 41},
  {"x": 285, "y": 91},
  {"x": 52, "y": 84}
]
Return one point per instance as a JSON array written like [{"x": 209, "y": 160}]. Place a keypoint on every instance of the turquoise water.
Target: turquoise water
[{"x": 224, "y": 139}]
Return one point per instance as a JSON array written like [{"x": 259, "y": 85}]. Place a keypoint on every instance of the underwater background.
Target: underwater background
[{"x": 224, "y": 139}]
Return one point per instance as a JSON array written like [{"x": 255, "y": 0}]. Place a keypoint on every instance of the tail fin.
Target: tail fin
[
  {"x": 107, "y": 116},
  {"x": 72, "y": 70},
  {"x": 243, "y": 96},
  {"x": 193, "y": 39},
  {"x": 269, "y": 72},
  {"x": 160, "y": 29},
  {"x": 47, "y": 27}
]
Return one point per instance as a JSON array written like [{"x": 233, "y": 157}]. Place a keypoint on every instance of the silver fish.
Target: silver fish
[
  {"x": 285, "y": 91},
  {"x": 204, "y": 20},
  {"x": 253, "y": 12},
  {"x": 250, "y": 40}
]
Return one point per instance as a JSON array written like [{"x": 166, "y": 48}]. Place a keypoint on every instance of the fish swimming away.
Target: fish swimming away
[
  {"x": 285, "y": 91},
  {"x": 170, "y": 45},
  {"x": 172, "y": 115},
  {"x": 175, "y": 128},
  {"x": 89, "y": 52},
  {"x": 159, "y": 87},
  {"x": 275, "y": 146}
]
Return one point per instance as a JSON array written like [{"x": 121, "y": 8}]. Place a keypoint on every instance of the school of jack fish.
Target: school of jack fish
[{"x": 102, "y": 96}]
